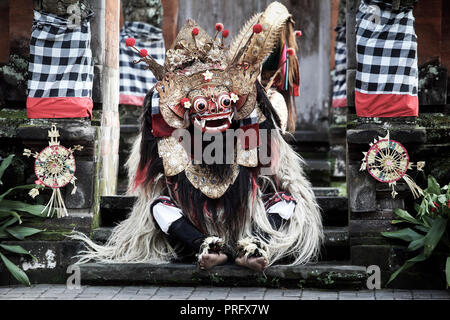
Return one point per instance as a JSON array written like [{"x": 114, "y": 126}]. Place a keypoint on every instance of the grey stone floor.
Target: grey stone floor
[{"x": 61, "y": 292}]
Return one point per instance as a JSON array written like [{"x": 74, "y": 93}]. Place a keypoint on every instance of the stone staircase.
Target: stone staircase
[{"x": 332, "y": 270}]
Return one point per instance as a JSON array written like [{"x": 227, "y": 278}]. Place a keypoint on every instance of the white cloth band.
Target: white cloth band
[
  {"x": 165, "y": 215},
  {"x": 284, "y": 209}
]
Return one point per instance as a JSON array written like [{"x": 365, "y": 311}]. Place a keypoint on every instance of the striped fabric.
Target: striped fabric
[
  {"x": 387, "y": 73},
  {"x": 340, "y": 57},
  {"x": 61, "y": 69},
  {"x": 135, "y": 80}
]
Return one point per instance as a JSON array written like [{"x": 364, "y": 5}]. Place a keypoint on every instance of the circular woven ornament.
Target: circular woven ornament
[
  {"x": 55, "y": 166},
  {"x": 387, "y": 161}
]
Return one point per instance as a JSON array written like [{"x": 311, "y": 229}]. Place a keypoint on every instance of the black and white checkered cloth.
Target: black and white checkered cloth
[
  {"x": 60, "y": 58},
  {"x": 134, "y": 80},
  {"x": 340, "y": 58},
  {"x": 386, "y": 50}
]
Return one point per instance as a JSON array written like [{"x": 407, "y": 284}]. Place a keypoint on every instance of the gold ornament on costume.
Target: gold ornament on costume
[
  {"x": 212, "y": 186},
  {"x": 54, "y": 168},
  {"x": 387, "y": 161},
  {"x": 174, "y": 156}
]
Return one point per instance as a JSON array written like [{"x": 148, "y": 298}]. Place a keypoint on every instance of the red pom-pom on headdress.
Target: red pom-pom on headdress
[
  {"x": 298, "y": 33},
  {"x": 225, "y": 33},
  {"x": 290, "y": 52},
  {"x": 257, "y": 28},
  {"x": 219, "y": 26},
  {"x": 129, "y": 42},
  {"x": 143, "y": 52},
  {"x": 195, "y": 31}
]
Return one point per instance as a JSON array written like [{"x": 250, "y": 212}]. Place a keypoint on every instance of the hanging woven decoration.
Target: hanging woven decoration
[
  {"x": 54, "y": 168},
  {"x": 388, "y": 161}
]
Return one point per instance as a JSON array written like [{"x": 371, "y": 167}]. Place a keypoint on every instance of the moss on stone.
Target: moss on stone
[
  {"x": 10, "y": 120},
  {"x": 341, "y": 186},
  {"x": 434, "y": 120},
  {"x": 52, "y": 235}
]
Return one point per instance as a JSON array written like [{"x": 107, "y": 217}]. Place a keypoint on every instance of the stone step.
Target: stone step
[
  {"x": 318, "y": 171},
  {"x": 319, "y": 275},
  {"x": 336, "y": 245},
  {"x": 334, "y": 208},
  {"x": 326, "y": 191}
]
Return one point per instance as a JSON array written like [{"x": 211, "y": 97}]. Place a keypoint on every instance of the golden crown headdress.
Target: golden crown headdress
[{"x": 196, "y": 60}]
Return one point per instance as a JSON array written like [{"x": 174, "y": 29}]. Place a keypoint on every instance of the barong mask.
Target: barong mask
[{"x": 207, "y": 84}]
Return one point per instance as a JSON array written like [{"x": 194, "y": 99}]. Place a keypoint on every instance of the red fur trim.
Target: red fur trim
[
  {"x": 194, "y": 220},
  {"x": 248, "y": 142},
  {"x": 141, "y": 175},
  {"x": 205, "y": 209},
  {"x": 254, "y": 188},
  {"x": 160, "y": 128}
]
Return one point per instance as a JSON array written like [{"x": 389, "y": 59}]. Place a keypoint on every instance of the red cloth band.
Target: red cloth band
[
  {"x": 339, "y": 103},
  {"x": 386, "y": 105},
  {"x": 59, "y": 107},
  {"x": 133, "y": 100}
]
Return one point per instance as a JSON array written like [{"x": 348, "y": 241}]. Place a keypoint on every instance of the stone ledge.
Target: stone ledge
[
  {"x": 326, "y": 192},
  {"x": 57, "y": 228},
  {"x": 317, "y": 165},
  {"x": 69, "y": 131},
  {"x": 310, "y": 275},
  {"x": 365, "y": 136},
  {"x": 311, "y": 136}
]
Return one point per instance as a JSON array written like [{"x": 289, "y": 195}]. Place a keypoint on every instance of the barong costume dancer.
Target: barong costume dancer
[{"x": 248, "y": 211}]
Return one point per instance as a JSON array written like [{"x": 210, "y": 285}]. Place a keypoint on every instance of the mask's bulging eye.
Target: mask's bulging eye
[
  {"x": 200, "y": 104},
  {"x": 224, "y": 100}
]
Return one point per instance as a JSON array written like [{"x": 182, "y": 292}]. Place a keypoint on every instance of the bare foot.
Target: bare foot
[
  {"x": 255, "y": 263},
  {"x": 210, "y": 260}
]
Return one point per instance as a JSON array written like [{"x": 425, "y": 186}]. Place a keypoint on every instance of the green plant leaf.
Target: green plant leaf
[
  {"x": 5, "y": 164},
  {"x": 442, "y": 199},
  {"x": 16, "y": 249},
  {"x": 422, "y": 228},
  {"x": 416, "y": 207},
  {"x": 16, "y": 272},
  {"x": 5, "y": 213},
  {"x": 416, "y": 244},
  {"x": 428, "y": 221},
  {"x": 405, "y": 215},
  {"x": 447, "y": 271},
  {"x": 406, "y": 234},
  {"x": 22, "y": 232},
  {"x": 398, "y": 221},
  {"x": 7, "y": 223},
  {"x": 433, "y": 186},
  {"x": 434, "y": 235},
  {"x": 408, "y": 264},
  {"x": 27, "y": 186},
  {"x": 34, "y": 209}
]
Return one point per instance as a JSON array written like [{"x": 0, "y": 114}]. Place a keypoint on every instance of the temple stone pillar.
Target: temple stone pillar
[{"x": 105, "y": 47}]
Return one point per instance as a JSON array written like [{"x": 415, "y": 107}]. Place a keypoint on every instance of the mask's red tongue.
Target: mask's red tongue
[{"x": 215, "y": 123}]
